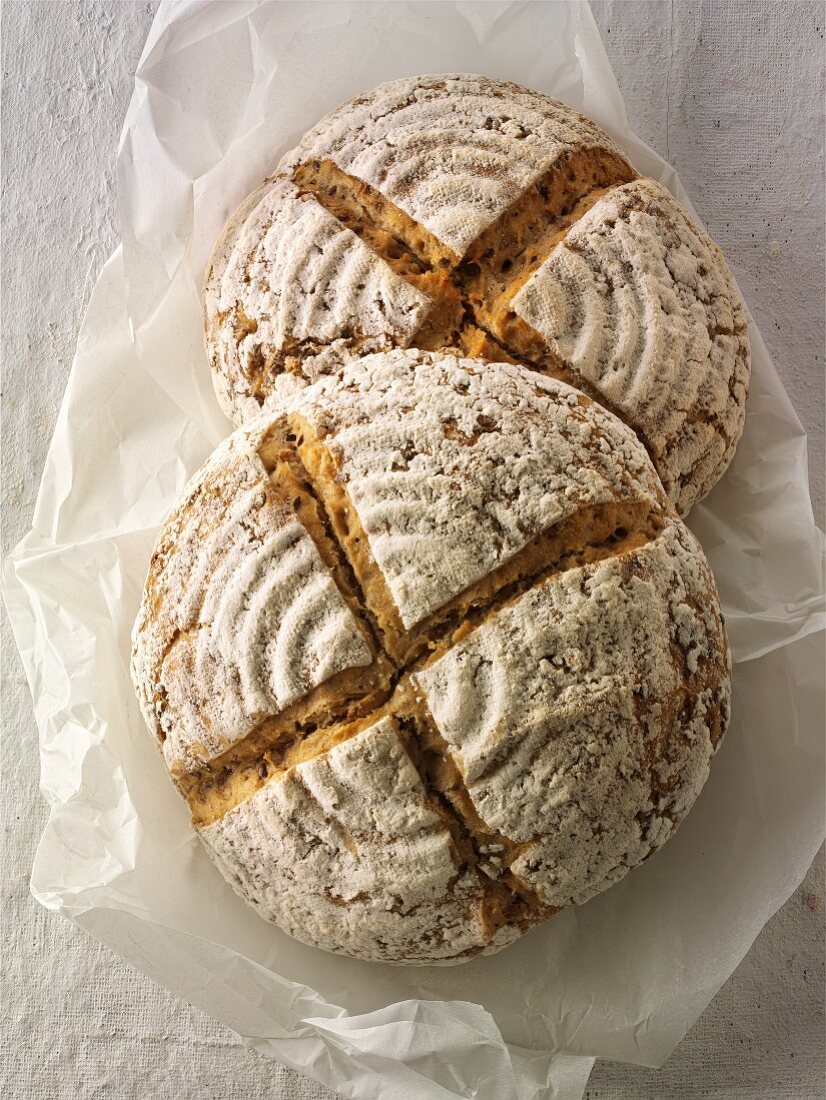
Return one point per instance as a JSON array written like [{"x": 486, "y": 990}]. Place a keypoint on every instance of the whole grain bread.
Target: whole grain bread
[
  {"x": 468, "y": 213},
  {"x": 430, "y": 655}
]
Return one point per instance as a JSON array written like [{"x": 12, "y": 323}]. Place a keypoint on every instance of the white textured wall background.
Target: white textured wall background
[{"x": 732, "y": 94}]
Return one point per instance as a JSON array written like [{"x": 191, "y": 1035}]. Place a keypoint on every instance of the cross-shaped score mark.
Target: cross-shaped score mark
[{"x": 472, "y": 294}]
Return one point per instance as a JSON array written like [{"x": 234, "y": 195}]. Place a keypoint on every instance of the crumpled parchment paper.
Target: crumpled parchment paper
[{"x": 221, "y": 91}]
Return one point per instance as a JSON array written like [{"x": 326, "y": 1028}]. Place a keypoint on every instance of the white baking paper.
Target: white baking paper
[{"x": 221, "y": 91}]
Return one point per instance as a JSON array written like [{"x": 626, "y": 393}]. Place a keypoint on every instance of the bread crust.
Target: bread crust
[
  {"x": 468, "y": 213},
  {"x": 479, "y": 681}
]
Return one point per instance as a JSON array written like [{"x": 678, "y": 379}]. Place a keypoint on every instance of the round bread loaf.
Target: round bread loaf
[
  {"x": 431, "y": 656},
  {"x": 461, "y": 212}
]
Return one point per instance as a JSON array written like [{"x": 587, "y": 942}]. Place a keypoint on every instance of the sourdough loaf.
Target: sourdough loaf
[
  {"x": 469, "y": 213},
  {"x": 430, "y": 655}
]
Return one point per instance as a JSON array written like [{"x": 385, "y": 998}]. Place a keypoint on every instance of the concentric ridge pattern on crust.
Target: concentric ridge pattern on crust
[
  {"x": 467, "y": 213},
  {"x": 430, "y": 656}
]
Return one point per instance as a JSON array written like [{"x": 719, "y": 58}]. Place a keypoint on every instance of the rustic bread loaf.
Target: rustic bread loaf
[
  {"x": 468, "y": 213},
  {"x": 430, "y": 656}
]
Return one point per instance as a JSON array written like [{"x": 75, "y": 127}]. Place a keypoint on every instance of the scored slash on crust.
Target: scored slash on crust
[
  {"x": 467, "y": 291},
  {"x": 303, "y": 471}
]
